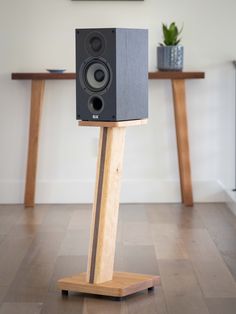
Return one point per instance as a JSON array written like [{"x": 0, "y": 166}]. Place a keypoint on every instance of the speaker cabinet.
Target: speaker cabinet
[{"x": 111, "y": 74}]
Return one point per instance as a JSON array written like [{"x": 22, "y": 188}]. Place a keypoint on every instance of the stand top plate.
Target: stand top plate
[{"x": 112, "y": 124}]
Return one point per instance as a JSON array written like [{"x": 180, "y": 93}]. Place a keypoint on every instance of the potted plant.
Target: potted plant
[{"x": 170, "y": 53}]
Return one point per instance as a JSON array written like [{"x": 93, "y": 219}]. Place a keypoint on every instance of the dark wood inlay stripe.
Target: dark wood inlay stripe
[{"x": 98, "y": 206}]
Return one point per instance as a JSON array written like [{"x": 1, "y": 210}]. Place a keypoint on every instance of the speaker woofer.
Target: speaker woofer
[{"x": 96, "y": 75}]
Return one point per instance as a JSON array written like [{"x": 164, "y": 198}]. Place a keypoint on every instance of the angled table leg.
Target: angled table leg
[
  {"x": 100, "y": 278},
  {"x": 178, "y": 87},
  {"x": 37, "y": 93}
]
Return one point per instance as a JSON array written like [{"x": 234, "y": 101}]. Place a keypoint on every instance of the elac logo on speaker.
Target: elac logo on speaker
[{"x": 95, "y": 116}]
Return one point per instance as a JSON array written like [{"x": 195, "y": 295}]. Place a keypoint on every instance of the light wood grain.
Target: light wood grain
[
  {"x": 121, "y": 284},
  {"x": 113, "y": 123},
  {"x": 108, "y": 207},
  {"x": 37, "y": 93},
  {"x": 178, "y": 87}
]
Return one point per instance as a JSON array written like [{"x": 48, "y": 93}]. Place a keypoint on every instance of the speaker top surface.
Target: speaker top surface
[{"x": 109, "y": 28}]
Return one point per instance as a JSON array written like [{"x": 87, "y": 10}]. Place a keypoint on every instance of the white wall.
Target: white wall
[{"x": 36, "y": 35}]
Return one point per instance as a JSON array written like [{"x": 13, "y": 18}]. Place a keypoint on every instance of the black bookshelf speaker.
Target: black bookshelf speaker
[{"x": 111, "y": 74}]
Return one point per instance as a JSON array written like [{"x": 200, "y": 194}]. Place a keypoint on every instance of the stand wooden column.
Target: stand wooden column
[{"x": 100, "y": 278}]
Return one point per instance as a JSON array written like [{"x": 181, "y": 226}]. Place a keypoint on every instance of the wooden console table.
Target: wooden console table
[{"x": 178, "y": 87}]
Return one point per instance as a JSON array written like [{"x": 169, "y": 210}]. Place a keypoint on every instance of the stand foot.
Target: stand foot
[
  {"x": 121, "y": 285},
  {"x": 118, "y": 298},
  {"x": 64, "y": 292}
]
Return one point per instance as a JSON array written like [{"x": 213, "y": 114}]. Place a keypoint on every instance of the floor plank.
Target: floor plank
[
  {"x": 221, "y": 225},
  {"x": 147, "y": 302},
  {"x": 10, "y": 214},
  {"x": 33, "y": 216},
  {"x": 193, "y": 250},
  {"x": 136, "y": 233},
  {"x": 176, "y": 214},
  {"x": 30, "y": 284},
  {"x": 181, "y": 289},
  {"x": 56, "y": 304},
  {"x": 21, "y": 308},
  {"x": 134, "y": 212},
  {"x": 167, "y": 242},
  {"x": 230, "y": 260},
  {"x": 76, "y": 242},
  {"x": 144, "y": 254},
  {"x": 44, "y": 248},
  {"x": 81, "y": 217},
  {"x": 57, "y": 218},
  {"x": 13, "y": 250},
  {"x": 3, "y": 291},
  {"x": 213, "y": 275},
  {"x": 103, "y": 306},
  {"x": 66, "y": 266},
  {"x": 221, "y": 305}
]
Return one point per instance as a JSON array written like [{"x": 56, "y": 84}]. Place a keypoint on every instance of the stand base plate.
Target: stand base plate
[{"x": 121, "y": 285}]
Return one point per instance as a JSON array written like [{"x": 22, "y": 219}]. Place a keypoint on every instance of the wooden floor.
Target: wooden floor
[{"x": 193, "y": 250}]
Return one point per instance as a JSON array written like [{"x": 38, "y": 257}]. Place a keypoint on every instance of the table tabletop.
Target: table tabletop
[{"x": 158, "y": 75}]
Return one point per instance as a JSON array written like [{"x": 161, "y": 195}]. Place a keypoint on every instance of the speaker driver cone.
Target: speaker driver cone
[{"x": 96, "y": 75}]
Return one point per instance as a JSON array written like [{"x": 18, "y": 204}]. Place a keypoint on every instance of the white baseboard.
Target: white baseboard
[
  {"x": 230, "y": 199},
  {"x": 133, "y": 191}
]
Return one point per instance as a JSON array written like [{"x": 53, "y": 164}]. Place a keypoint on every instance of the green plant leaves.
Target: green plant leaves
[{"x": 171, "y": 34}]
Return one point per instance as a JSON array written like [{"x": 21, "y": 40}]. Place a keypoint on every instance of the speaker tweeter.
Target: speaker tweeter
[{"x": 95, "y": 44}]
